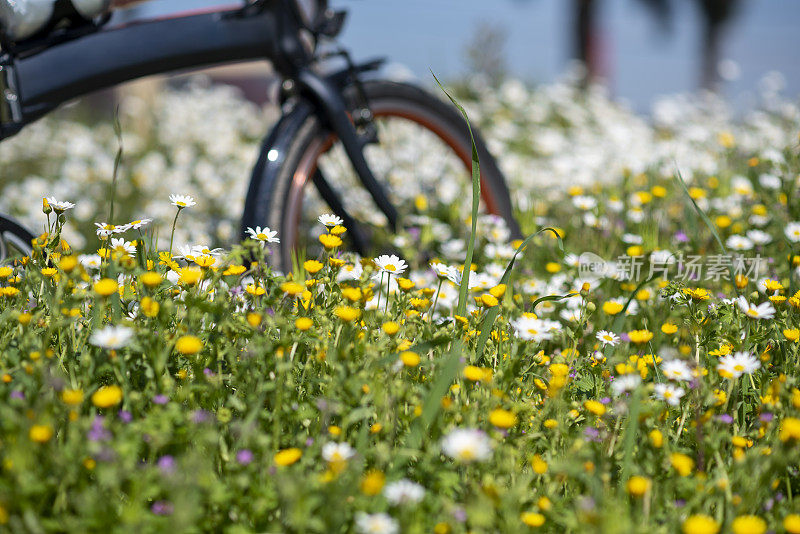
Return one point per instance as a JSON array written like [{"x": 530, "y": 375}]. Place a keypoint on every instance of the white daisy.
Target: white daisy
[
  {"x": 111, "y": 337},
  {"x": 759, "y": 237},
  {"x": 529, "y": 328},
  {"x": 90, "y": 261},
  {"x": 738, "y": 364},
  {"x": 265, "y": 235},
  {"x": 467, "y": 445},
  {"x": 765, "y": 310},
  {"x": 337, "y": 452},
  {"x": 669, "y": 393},
  {"x": 738, "y": 242},
  {"x": 625, "y": 383},
  {"x": 380, "y": 523},
  {"x": 122, "y": 246},
  {"x": 350, "y": 272},
  {"x": 182, "y": 201},
  {"x": 607, "y": 338},
  {"x": 676, "y": 370},
  {"x": 106, "y": 229},
  {"x": 139, "y": 223},
  {"x": 404, "y": 491},
  {"x": 583, "y": 202},
  {"x": 769, "y": 181},
  {"x": 440, "y": 269},
  {"x": 330, "y": 220},
  {"x": 792, "y": 232},
  {"x": 390, "y": 264},
  {"x": 60, "y": 206}
]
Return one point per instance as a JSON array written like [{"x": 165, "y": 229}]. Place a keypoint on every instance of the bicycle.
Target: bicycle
[{"x": 342, "y": 119}]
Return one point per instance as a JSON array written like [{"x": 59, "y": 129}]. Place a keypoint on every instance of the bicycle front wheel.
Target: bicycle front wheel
[{"x": 423, "y": 158}]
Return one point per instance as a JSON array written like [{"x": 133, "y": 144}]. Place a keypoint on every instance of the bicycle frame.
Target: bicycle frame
[{"x": 37, "y": 79}]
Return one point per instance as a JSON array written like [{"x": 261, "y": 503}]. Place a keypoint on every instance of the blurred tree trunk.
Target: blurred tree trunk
[
  {"x": 584, "y": 36},
  {"x": 716, "y": 15}
]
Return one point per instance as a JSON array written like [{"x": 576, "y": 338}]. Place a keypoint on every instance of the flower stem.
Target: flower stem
[{"x": 172, "y": 235}]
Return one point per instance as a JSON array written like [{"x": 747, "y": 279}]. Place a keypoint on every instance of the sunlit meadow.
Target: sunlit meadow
[{"x": 631, "y": 367}]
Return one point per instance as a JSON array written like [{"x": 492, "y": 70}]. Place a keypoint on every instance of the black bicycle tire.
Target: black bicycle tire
[
  {"x": 271, "y": 183},
  {"x": 21, "y": 234}
]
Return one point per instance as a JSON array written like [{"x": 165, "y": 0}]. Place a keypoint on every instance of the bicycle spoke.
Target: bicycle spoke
[{"x": 334, "y": 201}]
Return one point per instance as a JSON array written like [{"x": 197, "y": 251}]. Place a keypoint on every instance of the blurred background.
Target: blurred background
[{"x": 642, "y": 48}]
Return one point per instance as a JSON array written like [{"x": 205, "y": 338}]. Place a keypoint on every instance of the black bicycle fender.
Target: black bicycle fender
[{"x": 277, "y": 141}]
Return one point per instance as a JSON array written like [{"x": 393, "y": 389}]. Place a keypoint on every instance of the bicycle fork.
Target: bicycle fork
[{"x": 329, "y": 98}]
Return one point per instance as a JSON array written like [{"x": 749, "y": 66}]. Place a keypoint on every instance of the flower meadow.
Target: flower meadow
[{"x": 629, "y": 367}]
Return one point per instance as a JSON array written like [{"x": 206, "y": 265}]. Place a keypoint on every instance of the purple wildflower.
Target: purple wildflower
[
  {"x": 725, "y": 418},
  {"x": 162, "y": 508},
  {"x": 244, "y": 456},
  {"x": 160, "y": 399},
  {"x": 126, "y": 416},
  {"x": 166, "y": 464},
  {"x": 200, "y": 416}
]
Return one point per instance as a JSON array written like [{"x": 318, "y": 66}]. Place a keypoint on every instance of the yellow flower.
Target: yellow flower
[
  {"x": 234, "y": 270},
  {"x": 188, "y": 345},
  {"x": 390, "y": 328},
  {"x": 347, "y": 314},
  {"x": 550, "y": 423},
  {"x": 6, "y": 271},
  {"x": 72, "y": 397},
  {"x": 532, "y": 519},
  {"x": 405, "y": 284},
  {"x": 748, "y": 524},
  {"x": 24, "y": 318},
  {"x": 40, "y": 433},
  {"x": 292, "y": 288},
  {"x": 595, "y": 407},
  {"x": 790, "y": 429},
  {"x": 107, "y": 396},
  {"x": 150, "y": 279},
  {"x": 254, "y": 319},
  {"x": 487, "y": 300},
  {"x": 539, "y": 466},
  {"x": 640, "y": 336},
  {"x": 792, "y": 334},
  {"x": 552, "y": 267},
  {"x": 637, "y": 486},
  {"x": 682, "y": 463},
  {"x": 612, "y": 307},
  {"x": 68, "y": 263},
  {"x": 698, "y": 294},
  {"x": 353, "y": 294},
  {"x": 313, "y": 266},
  {"x": 105, "y": 287},
  {"x": 669, "y": 328},
  {"x": 189, "y": 275},
  {"x": 502, "y": 418},
  {"x": 792, "y": 523},
  {"x": 303, "y": 323},
  {"x": 330, "y": 241},
  {"x": 206, "y": 260},
  {"x": 255, "y": 290},
  {"x": 372, "y": 483},
  {"x": 287, "y": 456},
  {"x": 409, "y": 358},
  {"x": 700, "y": 524},
  {"x": 656, "y": 438},
  {"x": 149, "y": 307},
  {"x": 476, "y": 374}
]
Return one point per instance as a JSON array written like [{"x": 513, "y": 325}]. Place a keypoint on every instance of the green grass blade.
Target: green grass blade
[{"x": 461, "y": 308}]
